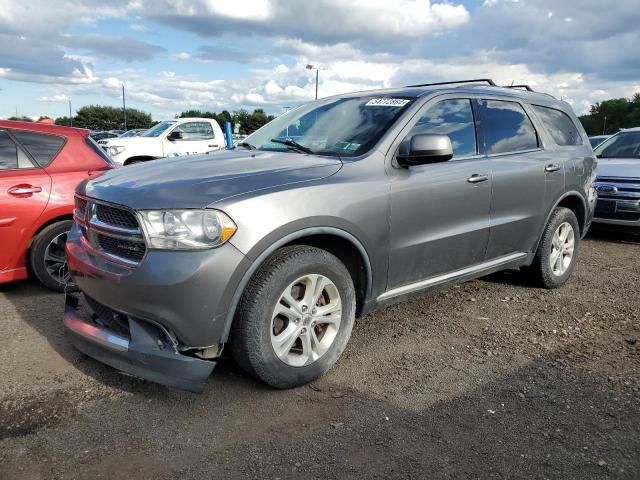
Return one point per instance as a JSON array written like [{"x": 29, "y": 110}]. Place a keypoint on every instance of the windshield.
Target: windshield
[
  {"x": 595, "y": 141},
  {"x": 621, "y": 145},
  {"x": 157, "y": 130},
  {"x": 346, "y": 126}
]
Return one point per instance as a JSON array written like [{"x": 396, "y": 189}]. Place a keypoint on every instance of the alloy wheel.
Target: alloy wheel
[
  {"x": 562, "y": 248},
  {"x": 55, "y": 259},
  {"x": 306, "y": 320}
]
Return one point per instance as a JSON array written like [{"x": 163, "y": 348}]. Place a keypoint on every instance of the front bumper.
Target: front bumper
[
  {"x": 187, "y": 292},
  {"x": 144, "y": 351},
  {"x": 623, "y": 212}
]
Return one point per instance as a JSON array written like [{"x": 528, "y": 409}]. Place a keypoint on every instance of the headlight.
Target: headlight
[
  {"x": 113, "y": 151},
  {"x": 186, "y": 229}
]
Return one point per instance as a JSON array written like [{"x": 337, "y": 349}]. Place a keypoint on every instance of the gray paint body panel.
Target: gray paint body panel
[{"x": 410, "y": 224}]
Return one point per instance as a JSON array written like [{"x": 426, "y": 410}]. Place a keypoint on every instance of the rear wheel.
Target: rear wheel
[
  {"x": 48, "y": 258},
  {"x": 295, "y": 317},
  {"x": 556, "y": 256}
]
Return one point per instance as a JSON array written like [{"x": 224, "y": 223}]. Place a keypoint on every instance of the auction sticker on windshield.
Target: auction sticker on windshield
[{"x": 387, "y": 102}]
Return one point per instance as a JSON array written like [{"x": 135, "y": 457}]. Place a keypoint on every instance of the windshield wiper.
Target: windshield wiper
[
  {"x": 292, "y": 144},
  {"x": 246, "y": 145}
]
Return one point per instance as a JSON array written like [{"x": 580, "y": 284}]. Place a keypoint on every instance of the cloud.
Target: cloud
[
  {"x": 361, "y": 44},
  {"x": 54, "y": 98},
  {"x": 139, "y": 27},
  {"x": 181, "y": 56},
  {"x": 327, "y": 21},
  {"x": 119, "y": 48}
]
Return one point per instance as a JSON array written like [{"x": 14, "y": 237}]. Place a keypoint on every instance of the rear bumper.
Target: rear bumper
[{"x": 145, "y": 352}]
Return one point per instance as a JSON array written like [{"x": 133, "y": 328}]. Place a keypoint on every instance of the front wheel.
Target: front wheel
[
  {"x": 295, "y": 317},
  {"x": 47, "y": 257},
  {"x": 556, "y": 256}
]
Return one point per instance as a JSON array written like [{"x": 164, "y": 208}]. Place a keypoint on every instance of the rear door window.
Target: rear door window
[
  {"x": 11, "y": 156},
  {"x": 196, "y": 131},
  {"x": 42, "y": 148},
  {"x": 506, "y": 127},
  {"x": 561, "y": 128},
  {"x": 453, "y": 117}
]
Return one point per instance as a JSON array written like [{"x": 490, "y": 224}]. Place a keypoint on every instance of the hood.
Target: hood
[
  {"x": 201, "y": 180},
  {"x": 619, "y": 167}
]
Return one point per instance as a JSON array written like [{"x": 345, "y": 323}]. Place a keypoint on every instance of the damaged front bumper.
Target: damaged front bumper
[{"x": 133, "y": 346}]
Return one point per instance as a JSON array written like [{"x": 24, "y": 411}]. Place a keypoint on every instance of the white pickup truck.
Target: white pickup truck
[{"x": 170, "y": 138}]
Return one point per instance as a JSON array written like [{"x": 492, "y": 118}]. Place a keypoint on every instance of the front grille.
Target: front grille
[
  {"x": 108, "y": 318},
  {"x": 111, "y": 230},
  {"x": 116, "y": 216},
  {"x": 129, "y": 250},
  {"x": 618, "y": 180}
]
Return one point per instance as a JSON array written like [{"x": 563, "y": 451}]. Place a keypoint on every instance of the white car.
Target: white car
[{"x": 171, "y": 138}]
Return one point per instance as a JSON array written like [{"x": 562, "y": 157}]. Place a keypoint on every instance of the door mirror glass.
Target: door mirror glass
[
  {"x": 424, "y": 148},
  {"x": 175, "y": 135}
]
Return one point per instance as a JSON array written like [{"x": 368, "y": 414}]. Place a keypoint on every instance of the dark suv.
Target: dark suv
[{"x": 328, "y": 212}]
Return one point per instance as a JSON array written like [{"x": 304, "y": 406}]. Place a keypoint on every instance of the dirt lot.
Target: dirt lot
[{"x": 490, "y": 379}]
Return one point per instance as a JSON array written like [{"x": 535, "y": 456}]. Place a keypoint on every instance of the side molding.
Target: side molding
[{"x": 284, "y": 241}]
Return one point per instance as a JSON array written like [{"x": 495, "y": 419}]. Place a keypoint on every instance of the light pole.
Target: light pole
[
  {"x": 70, "y": 116},
  {"x": 604, "y": 125},
  {"x": 317, "y": 68},
  {"x": 124, "y": 108}
]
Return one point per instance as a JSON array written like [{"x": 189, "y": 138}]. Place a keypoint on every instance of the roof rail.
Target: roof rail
[
  {"x": 525, "y": 87},
  {"x": 477, "y": 80}
]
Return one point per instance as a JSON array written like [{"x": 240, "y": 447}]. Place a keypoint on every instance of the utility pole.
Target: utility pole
[
  {"x": 604, "y": 125},
  {"x": 70, "y": 115},
  {"x": 317, "y": 69},
  {"x": 124, "y": 108}
]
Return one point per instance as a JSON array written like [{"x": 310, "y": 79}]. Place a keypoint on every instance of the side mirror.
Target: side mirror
[
  {"x": 424, "y": 148},
  {"x": 175, "y": 135}
]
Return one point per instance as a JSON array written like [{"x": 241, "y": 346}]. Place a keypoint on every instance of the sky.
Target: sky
[{"x": 174, "y": 55}]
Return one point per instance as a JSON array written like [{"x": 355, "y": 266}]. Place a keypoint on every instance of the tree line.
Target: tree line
[
  {"x": 606, "y": 117},
  {"x": 99, "y": 117},
  {"x": 610, "y": 116}
]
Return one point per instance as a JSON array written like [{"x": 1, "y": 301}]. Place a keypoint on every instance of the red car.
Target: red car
[{"x": 40, "y": 167}]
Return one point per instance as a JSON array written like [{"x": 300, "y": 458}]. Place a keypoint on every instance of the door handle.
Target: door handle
[
  {"x": 213, "y": 146},
  {"x": 551, "y": 168},
  {"x": 24, "y": 190},
  {"x": 475, "y": 178}
]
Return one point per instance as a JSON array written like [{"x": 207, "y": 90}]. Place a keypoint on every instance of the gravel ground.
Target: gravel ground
[{"x": 490, "y": 379}]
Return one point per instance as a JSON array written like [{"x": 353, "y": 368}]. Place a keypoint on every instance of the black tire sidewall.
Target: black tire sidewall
[
  {"x": 549, "y": 279},
  {"x": 37, "y": 252},
  {"x": 266, "y": 292}
]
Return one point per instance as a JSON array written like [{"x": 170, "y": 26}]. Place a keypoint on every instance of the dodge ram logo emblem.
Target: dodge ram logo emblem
[{"x": 607, "y": 188}]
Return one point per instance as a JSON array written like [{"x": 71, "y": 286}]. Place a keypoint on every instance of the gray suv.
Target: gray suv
[{"x": 329, "y": 212}]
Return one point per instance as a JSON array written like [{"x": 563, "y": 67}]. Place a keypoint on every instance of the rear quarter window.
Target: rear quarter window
[
  {"x": 43, "y": 148},
  {"x": 559, "y": 125},
  {"x": 91, "y": 143}
]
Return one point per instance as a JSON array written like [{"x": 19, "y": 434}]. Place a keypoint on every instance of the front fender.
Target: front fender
[{"x": 265, "y": 248}]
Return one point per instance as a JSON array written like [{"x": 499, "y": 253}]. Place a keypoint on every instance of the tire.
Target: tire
[
  {"x": 542, "y": 270},
  {"x": 46, "y": 249},
  {"x": 257, "y": 330}
]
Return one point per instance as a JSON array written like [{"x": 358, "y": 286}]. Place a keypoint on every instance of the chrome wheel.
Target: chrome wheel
[
  {"x": 306, "y": 320},
  {"x": 562, "y": 247},
  {"x": 55, "y": 259}
]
